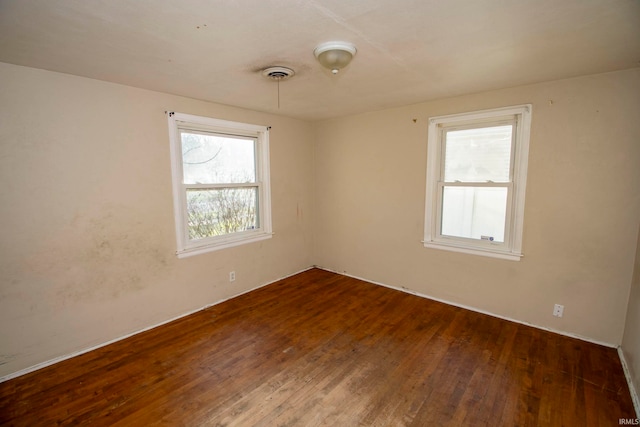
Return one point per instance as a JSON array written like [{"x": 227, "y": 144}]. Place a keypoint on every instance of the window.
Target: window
[
  {"x": 476, "y": 178},
  {"x": 220, "y": 183}
]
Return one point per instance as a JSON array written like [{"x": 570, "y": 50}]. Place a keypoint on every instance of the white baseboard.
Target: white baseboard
[
  {"x": 625, "y": 367},
  {"x": 477, "y": 310},
  {"x": 632, "y": 388},
  {"x": 95, "y": 347}
]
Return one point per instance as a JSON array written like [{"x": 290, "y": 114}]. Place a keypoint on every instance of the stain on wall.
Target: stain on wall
[
  {"x": 101, "y": 254},
  {"x": 87, "y": 245}
]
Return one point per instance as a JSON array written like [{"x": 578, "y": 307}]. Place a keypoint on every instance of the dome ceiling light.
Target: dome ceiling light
[{"x": 335, "y": 55}]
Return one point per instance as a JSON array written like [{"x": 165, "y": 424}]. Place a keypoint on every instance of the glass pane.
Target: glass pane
[
  {"x": 478, "y": 155},
  {"x": 474, "y": 212},
  {"x": 221, "y": 211},
  {"x": 216, "y": 159}
]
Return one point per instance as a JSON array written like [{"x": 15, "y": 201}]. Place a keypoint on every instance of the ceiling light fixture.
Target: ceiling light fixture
[
  {"x": 278, "y": 74},
  {"x": 335, "y": 55}
]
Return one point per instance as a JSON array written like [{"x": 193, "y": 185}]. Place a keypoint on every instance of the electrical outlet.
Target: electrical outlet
[
  {"x": 558, "y": 310},
  {"x": 232, "y": 276}
]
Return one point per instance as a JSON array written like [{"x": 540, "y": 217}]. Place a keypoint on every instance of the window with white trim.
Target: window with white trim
[
  {"x": 221, "y": 188},
  {"x": 476, "y": 179}
]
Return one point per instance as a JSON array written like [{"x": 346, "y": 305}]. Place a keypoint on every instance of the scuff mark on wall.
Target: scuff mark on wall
[
  {"x": 299, "y": 214},
  {"x": 7, "y": 358}
]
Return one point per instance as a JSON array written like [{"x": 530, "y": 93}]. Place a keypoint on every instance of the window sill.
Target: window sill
[
  {"x": 474, "y": 251},
  {"x": 223, "y": 244}
]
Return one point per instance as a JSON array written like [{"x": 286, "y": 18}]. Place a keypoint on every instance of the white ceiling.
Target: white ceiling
[{"x": 409, "y": 51}]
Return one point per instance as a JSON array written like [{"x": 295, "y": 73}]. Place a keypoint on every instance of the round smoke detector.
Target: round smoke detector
[{"x": 278, "y": 73}]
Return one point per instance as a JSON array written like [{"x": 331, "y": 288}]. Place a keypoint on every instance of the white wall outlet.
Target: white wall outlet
[
  {"x": 232, "y": 276},
  {"x": 558, "y": 310}
]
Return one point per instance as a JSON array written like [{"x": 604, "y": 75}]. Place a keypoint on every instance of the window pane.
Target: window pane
[
  {"x": 478, "y": 155},
  {"x": 474, "y": 212},
  {"x": 221, "y": 211},
  {"x": 216, "y": 159}
]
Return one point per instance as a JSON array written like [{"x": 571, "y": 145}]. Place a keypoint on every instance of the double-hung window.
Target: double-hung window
[
  {"x": 476, "y": 179},
  {"x": 220, "y": 183}
]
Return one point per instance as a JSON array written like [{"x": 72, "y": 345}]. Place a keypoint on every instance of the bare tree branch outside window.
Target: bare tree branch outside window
[{"x": 209, "y": 159}]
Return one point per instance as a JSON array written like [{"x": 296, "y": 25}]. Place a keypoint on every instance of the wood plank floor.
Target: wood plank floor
[{"x": 320, "y": 349}]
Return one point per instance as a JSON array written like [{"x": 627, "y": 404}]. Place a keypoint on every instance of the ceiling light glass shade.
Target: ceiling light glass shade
[{"x": 335, "y": 55}]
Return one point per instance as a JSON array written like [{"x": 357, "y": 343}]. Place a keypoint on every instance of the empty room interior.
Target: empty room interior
[{"x": 317, "y": 212}]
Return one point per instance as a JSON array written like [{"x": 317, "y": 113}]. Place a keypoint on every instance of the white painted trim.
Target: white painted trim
[
  {"x": 221, "y": 125},
  {"x": 95, "y": 347},
  {"x": 251, "y": 238},
  {"x": 481, "y": 115},
  {"x": 53, "y": 361},
  {"x": 474, "y": 309},
  {"x": 187, "y": 247},
  {"x": 514, "y": 221},
  {"x": 474, "y": 251},
  {"x": 632, "y": 388}
]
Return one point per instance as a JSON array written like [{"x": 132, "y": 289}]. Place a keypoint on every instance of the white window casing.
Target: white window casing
[
  {"x": 518, "y": 118},
  {"x": 208, "y": 127}
]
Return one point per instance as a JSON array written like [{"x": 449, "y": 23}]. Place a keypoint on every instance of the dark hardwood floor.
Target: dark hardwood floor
[{"x": 323, "y": 349}]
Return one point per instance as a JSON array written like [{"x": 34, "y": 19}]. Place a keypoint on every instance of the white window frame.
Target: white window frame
[
  {"x": 188, "y": 247},
  {"x": 511, "y": 249}
]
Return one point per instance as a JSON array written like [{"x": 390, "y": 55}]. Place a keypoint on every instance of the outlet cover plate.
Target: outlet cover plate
[{"x": 558, "y": 310}]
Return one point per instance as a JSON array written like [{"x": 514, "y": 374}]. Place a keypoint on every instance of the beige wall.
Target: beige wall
[
  {"x": 631, "y": 338},
  {"x": 581, "y": 215},
  {"x": 87, "y": 245}
]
